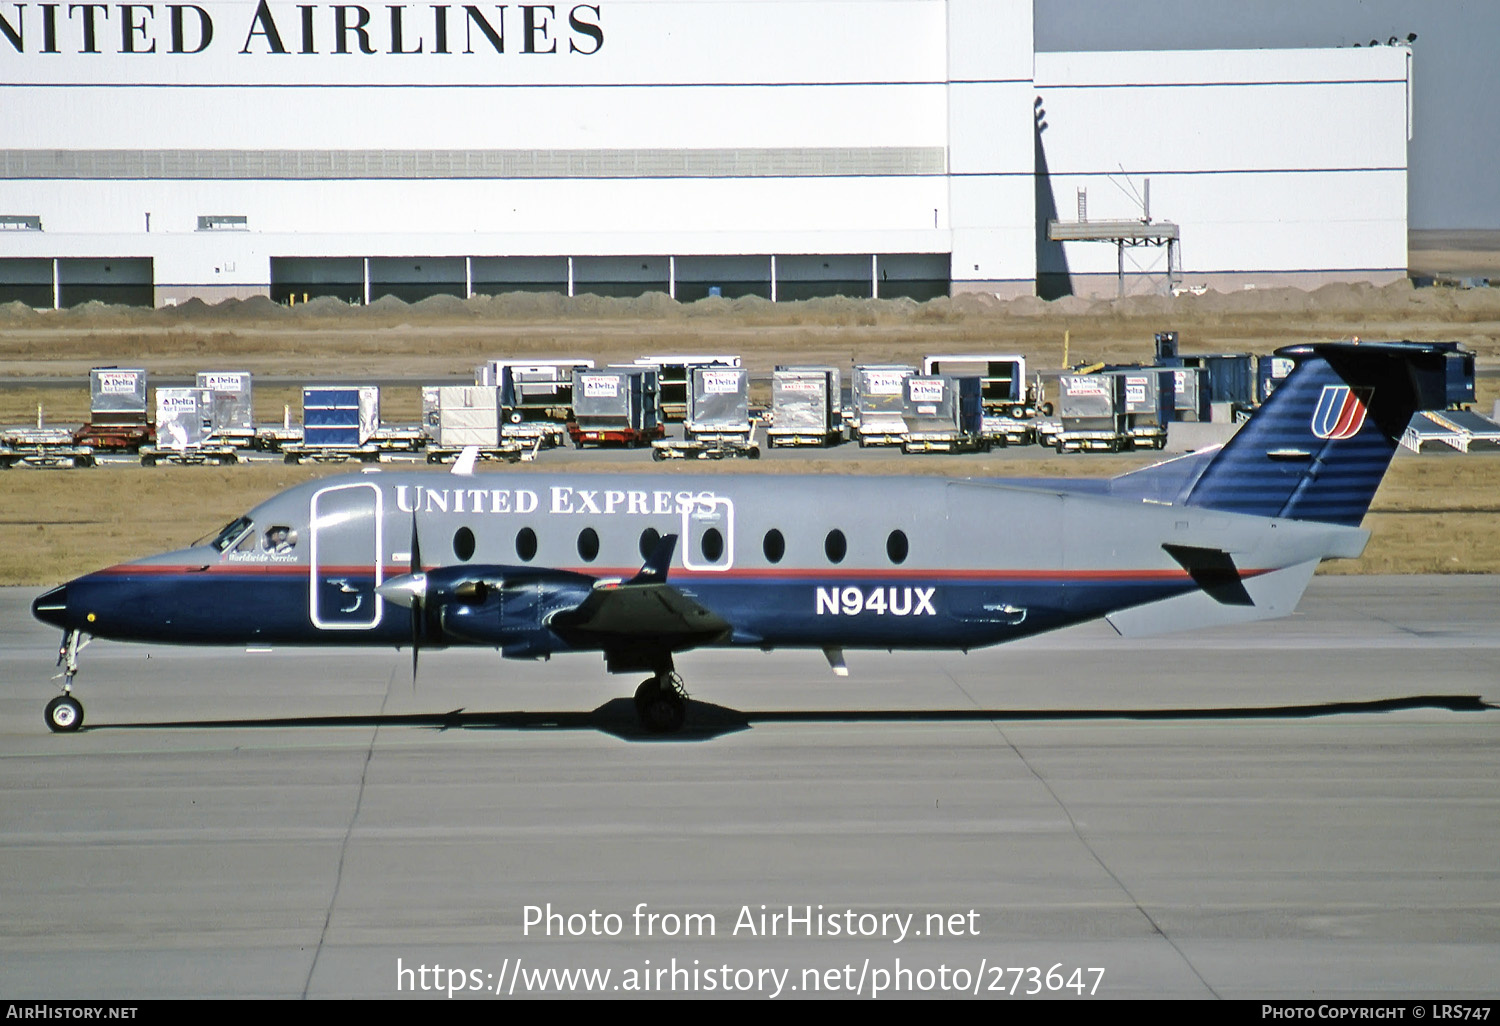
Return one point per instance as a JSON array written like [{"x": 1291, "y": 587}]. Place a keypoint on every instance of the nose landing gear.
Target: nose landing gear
[{"x": 65, "y": 713}]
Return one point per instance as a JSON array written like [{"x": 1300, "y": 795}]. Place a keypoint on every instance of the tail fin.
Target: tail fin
[{"x": 1319, "y": 446}]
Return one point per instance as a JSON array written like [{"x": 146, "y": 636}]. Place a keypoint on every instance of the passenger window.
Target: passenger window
[
  {"x": 712, "y": 545},
  {"x": 896, "y": 547},
  {"x": 774, "y": 546},
  {"x": 463, "y": 544},
  {"x": 650, "y": 538},
  {"x": 588, "y": 544},
  {"x": 835, "y": 547},
  {"x": 526, "y": 544}
]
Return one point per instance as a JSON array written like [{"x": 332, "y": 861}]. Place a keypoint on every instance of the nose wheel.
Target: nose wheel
[{"x": 64, "y": 714}]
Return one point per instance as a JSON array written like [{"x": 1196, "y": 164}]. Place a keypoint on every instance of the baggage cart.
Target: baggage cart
[
  {"x": 43, "y": 447},
  {"x": 185, "y": 430},
  {"x": 943, "y": 413},
  {"x": 1090, "y": 418},
  {"x": 877, "y": 396},
  {"x": 338, "y": 424},
  {"x": 615, "y": 406},
  {"x": 233, "y": 414},
  {"x": 536, "y": 393},
  {"x": 459, "y": 417},
  {"x": 718, "y": 424},
  {"x": 117, "y": 411},
  {"x": 806, "y": 408}
]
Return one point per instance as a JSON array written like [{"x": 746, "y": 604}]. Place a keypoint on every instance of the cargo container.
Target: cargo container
[
  {"x": 233, "y": 413},
  {"x": 459, "y": 417},
  {"x": 806, "y": 407},
  {"x": 943, "y": 413},
  {"x": 1231, "y": 381},
  {"x": 117, "y": 411},
  {"x": 339, "y": 422},
  {"x": 1089, "y": 406},
  {"x": 185, "y": 430},
  {"x": 718, "y": 424},
  {"x": 1144, "y": 415},
  {"x": 877, "y": 396},
  {"x": 615, "y": 406}
]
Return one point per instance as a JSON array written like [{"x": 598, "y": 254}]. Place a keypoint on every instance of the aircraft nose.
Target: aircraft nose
[{"x": 52, "y": 607}]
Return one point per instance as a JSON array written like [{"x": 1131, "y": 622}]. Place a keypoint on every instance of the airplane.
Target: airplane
[{"x": 638, "y": 568}]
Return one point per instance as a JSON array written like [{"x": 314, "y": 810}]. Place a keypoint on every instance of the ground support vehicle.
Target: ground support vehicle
[
  {"x": 616, "y": 406},
  {"x": 43, "y": 447},
  {"x": 192, "y": 456},
  {"x": 877, "y": 399},
  {"x": 943, "y": 414},
  {"x": 1091, "y": 414},
  {"x": 999, "y": 429},
  {"x": 707, "y": 446},
  {"x": 508, "y": 451},
  {"x": 117, "y": 412}
]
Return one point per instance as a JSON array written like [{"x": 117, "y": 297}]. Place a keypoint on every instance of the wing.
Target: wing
[{"x": 644, "y": 612}]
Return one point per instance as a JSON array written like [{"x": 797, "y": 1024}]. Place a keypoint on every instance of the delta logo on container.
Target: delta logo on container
[{"x": 1341, "y": 411}]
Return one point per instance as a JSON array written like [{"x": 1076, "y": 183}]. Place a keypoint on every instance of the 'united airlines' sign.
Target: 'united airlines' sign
[{"x": 302, "y": 29}]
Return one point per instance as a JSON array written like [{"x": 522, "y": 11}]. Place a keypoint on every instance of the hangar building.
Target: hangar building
[{"x": 786, "y": 148}]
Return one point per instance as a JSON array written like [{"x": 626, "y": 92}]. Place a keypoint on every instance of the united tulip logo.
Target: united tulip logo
[{"x": 1341, "y": 411}]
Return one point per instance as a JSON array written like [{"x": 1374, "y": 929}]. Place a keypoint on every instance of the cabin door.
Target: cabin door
[{"x": 345, "y": 525}]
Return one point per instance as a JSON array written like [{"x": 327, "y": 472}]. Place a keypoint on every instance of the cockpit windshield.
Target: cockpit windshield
[{"x": 225, "y": 538}]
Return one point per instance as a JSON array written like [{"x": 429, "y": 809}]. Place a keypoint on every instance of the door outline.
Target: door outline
[
  {"x": 703, "y": 511},
  {"x": 315, "y": 530}
]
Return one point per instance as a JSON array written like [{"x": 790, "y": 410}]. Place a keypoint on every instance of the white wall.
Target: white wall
[
  {"x": 1269, "y": 161},
  {"x": 887, "y": 126}
]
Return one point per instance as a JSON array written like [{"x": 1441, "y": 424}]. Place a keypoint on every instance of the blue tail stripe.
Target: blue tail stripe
[{"x": 1300, "y": 456}]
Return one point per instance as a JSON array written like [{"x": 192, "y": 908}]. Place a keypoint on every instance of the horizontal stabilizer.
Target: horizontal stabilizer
[
  {"x": 1214, "y": 571},
  {"x": 1271, "y": 595}
]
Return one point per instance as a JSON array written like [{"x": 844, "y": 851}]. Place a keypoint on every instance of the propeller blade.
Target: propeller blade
[{"x": 416, "y": 596}]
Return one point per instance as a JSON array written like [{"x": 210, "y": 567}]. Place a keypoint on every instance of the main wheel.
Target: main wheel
[
  {"x": 64, "y": 714},
  {"x": 661, "y": 711}
]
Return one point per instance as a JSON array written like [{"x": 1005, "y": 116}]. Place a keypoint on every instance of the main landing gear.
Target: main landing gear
[
  {"x": 661, "y": 703},
  {"x": 65, "y": 713}
]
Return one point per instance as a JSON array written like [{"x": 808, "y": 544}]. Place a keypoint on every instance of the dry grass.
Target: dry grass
[{"x": 1432, "y": 514}]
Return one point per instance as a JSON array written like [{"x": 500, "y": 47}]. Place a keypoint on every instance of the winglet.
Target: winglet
[
  {"x": 464, "y": 465},
  {"x": 655, "y": 569}
]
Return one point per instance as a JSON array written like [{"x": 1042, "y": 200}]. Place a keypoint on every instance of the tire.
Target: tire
[{"x": 64, "y": 714}]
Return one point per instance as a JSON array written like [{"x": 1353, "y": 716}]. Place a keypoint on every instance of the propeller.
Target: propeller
[
  {"x": 416, "y": 595},
  {"x": 410, "y": 589}
]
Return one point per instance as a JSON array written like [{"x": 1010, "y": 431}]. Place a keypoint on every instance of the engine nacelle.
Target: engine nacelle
[{"x": 504, "y": 606}]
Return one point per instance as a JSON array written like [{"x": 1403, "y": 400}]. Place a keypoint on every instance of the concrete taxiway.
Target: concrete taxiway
[{"x": 1298, "y": 809}]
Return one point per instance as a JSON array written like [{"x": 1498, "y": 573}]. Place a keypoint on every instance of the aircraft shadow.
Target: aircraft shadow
[{"x": 706, "y": 721}]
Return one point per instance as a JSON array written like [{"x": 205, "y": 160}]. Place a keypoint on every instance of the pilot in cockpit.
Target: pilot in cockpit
[{"x": 280, "y": 540}]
